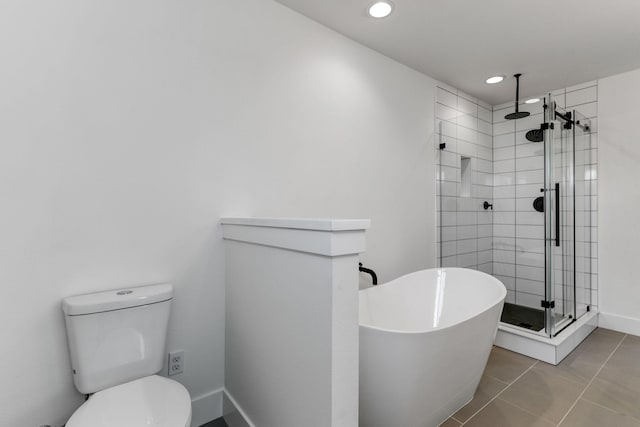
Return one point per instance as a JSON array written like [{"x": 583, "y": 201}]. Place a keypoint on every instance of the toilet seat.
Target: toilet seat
[{"x": 149, "y": 401}]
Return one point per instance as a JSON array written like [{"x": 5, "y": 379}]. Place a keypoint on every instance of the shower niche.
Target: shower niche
[{"x": 465, "y": 176}]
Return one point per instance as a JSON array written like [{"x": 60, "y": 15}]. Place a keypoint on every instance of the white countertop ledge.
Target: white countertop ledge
[{"x": 318, "y": 224}]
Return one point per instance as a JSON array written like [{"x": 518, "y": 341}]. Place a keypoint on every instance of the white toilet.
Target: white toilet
[{"x": 117, "y": 345}]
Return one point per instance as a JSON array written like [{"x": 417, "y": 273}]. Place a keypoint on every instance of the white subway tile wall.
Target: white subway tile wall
[
  {"x": 465, "y": 229},
  {"x": 518, "y": 230}
]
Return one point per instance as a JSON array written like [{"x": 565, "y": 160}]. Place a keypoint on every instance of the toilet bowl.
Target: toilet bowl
[
  {"x": 117, "y": 345},
  {"x": 149, "y": 401}
]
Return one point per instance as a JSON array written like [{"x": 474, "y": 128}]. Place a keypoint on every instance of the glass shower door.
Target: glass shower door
[
  {"x": 585, "y": 183},
  {"x": 560, "y": 219}
]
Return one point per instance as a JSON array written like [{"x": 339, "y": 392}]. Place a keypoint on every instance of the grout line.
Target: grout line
[
  {"x": 592, "y": 379},
  {"x": 528, "y": 411},
  {"x": 497, "y": 379},
  {"x": 502, "y": 391},
  {"x": 607, "y": 408}
]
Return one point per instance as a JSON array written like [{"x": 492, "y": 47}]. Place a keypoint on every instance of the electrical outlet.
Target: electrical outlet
[{"x": 176, "y": 362}]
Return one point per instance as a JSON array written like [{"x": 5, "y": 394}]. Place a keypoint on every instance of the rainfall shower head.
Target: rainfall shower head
[
  {"x": 535, "y": 135},
  {"x": 517, "y": 114}
]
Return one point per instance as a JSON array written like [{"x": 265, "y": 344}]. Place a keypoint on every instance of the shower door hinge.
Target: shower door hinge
[
  {"x": 545, "y": 126},
  {"x": 548, "y": 304}
]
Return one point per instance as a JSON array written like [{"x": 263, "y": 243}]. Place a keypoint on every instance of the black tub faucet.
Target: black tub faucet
[{"x": 374, "y": 276}]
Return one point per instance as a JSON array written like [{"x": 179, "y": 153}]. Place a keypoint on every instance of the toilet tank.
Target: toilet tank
[{"x": 117, "y": 336}]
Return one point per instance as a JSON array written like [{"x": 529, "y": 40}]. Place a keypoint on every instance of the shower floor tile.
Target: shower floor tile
[
  {"x": 524, "y": 317},
  {"x": 215, "y": 423},
  {"x": 597, "y": 385}
]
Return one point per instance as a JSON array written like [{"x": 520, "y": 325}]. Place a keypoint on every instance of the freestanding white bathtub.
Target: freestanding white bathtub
[{"x": 424, "y": 342}]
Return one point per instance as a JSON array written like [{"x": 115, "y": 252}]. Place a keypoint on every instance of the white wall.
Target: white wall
[
  {"x": 619, "y": 201},
  {"x": 128, "y": 128}
]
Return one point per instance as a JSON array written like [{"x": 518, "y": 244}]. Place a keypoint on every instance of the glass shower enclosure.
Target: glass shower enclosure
[
  {"x": 537, "y": 222},
  {"x": 567, "y": 193}
]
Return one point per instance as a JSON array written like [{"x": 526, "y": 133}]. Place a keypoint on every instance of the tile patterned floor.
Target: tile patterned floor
[{"x": 597, "y": 385}]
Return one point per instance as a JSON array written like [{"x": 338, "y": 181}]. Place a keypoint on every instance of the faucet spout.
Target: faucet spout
[{"x": 374, "y": 276}]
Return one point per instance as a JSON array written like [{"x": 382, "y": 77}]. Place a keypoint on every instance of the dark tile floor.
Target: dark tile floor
[
  {"x": 215, "y": 423},
  {"x": 597, "y": 385}
]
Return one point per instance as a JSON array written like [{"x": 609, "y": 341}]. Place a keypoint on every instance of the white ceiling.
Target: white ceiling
[{"x": 554, "y": 43}]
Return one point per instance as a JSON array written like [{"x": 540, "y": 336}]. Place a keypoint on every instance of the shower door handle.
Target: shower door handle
[{"x": 557, "y": 214}]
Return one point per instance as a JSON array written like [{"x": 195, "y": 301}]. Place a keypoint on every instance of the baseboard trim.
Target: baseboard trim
[
  {"x": 627, "y": 325},
  {"x": 206, "y": 407},
  {"x": 233, "y": 414}
]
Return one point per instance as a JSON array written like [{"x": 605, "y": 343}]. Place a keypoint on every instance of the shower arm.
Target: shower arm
[
  {"x": 517, "y": 76},
  {"x": 517, "y": 114}
]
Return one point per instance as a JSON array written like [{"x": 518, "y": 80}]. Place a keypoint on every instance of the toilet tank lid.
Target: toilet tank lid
[{"x": 116, "y": 299}]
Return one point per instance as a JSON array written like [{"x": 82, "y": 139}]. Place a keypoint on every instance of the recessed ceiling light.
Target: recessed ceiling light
[
  {"x": 495, "y": 79},
  {"x": 381, "y": 9},
  {"x": 532, "y": 101}
]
